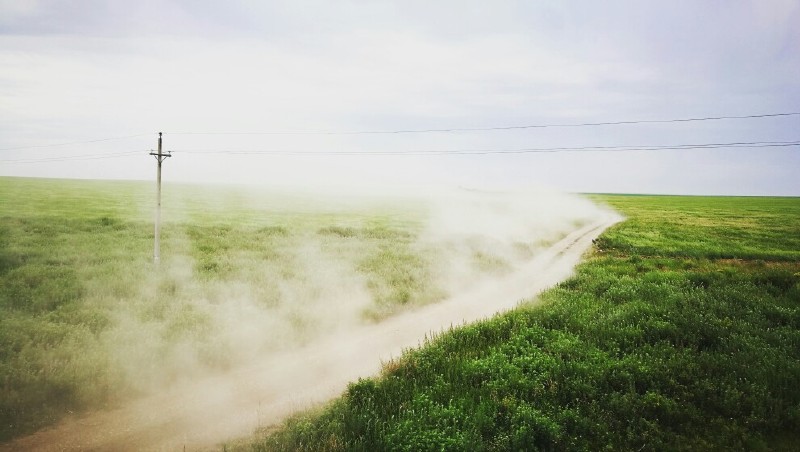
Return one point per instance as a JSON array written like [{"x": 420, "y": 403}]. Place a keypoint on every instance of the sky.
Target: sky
[{"x": 270, "y": 92}]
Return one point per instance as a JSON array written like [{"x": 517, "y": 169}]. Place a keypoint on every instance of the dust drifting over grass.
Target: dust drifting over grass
[
  {"x": 247, "y": 277},
  {"x": 232, "y": 293}
]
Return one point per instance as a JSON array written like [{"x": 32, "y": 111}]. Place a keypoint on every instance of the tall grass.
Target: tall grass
[
  {"x": 58, "y": 240},
  {"x": 681, "y": 331},
  {"x": 87, "y": 321}
]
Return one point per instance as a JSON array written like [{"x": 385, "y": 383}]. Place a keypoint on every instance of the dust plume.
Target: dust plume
[
  {"x": 266, "y": 302},
  {"x": 289, "y": 270}
]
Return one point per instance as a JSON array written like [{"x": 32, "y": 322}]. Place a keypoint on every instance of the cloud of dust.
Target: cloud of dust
[
  {"x": 265, "y": 301},
  {"x": 184, "y": 326},
  {"x": 484, "y": 234}
]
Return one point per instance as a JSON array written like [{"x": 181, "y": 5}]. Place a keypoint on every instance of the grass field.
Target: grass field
[
  {"x": 681, "y": 331},
  {"x": 88, "y": 322}
]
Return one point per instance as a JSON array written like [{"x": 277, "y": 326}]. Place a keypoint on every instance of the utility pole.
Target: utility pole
[{"x": 160, "y": 158}]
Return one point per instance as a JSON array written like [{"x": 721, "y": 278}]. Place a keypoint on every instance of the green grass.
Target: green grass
[
  {"x": 705, "y": 227},
  {"x": 681, "y": 331},
  {"x": 87, "y": 321}
]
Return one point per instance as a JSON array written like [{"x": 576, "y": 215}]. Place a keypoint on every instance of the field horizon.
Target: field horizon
[{"x": 397, "y": 189}]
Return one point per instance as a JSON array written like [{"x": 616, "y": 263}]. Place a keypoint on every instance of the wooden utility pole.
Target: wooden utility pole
[{"x": 160, "y": 158}]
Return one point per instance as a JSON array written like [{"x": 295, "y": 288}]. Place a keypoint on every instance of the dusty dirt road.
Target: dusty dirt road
[{"x": 202, "y": 414}]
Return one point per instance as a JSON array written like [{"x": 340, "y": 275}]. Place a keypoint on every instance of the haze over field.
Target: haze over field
[
  {"x": 89, "y": 70},
  {"x": 318, "y": 266},
  {"x": 260, "y": 291}
]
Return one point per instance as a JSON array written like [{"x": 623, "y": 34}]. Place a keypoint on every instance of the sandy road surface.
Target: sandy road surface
[{"x": 201, "y": 414}]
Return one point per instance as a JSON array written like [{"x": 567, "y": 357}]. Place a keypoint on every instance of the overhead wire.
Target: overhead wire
[
  {"x": 70, "y": 143},
  {"x": 754, "y": 144},
  {"x": 435, "y": 152},
  {"x": 760, "y": 144},
  {"x": 499, "y": 128},
  {"x": 65, "y": 158}
]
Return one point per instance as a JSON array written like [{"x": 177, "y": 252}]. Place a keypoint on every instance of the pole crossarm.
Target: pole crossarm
[{"x": 160, "y": 157}]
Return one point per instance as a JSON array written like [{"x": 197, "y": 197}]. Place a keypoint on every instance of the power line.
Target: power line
[
  {"x": 732, "y": 145},
  {"x": 484, "y": 129},
  {"x": 754, "y": 144},
  {"x": 409, "y": 131},
  {"x": 98, "y": 140},
  {"x": 489, "y": 151},
  {"x": 73, "y": 157}
]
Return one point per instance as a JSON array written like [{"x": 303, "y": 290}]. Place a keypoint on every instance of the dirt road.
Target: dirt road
[{"x": 201, "y": 414}]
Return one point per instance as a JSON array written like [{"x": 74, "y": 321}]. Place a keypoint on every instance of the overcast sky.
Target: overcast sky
[{"x": 88, "y": 70}]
